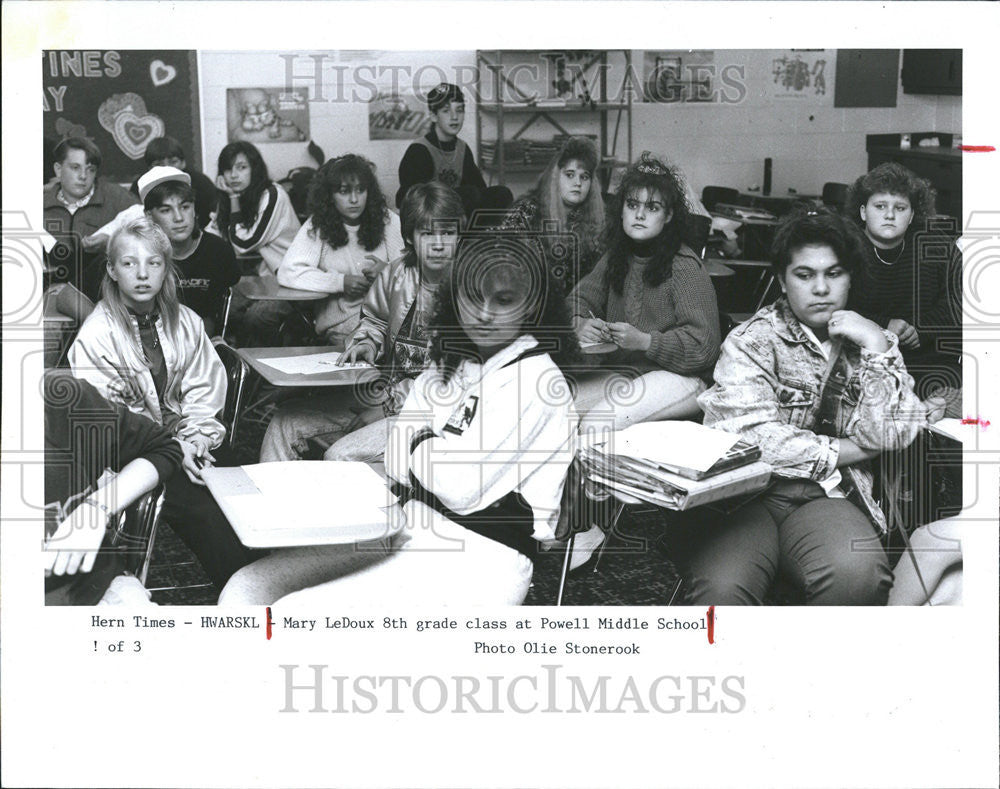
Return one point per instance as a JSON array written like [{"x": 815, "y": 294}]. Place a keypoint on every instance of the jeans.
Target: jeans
[
  {"x": 324, "y": 418},
  {"x": 824, "y": 546}
]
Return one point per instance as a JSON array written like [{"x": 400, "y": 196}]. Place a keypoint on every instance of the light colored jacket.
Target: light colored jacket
[
  {"x": 386, "y": 304},
  {"x": 493, "y": 433},
  {"x": 768, "y": 384},
  {"x": 196, "y": 378}
]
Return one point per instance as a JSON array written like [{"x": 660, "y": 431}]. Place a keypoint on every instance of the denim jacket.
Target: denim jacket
[{"x": 768, "y": 383}]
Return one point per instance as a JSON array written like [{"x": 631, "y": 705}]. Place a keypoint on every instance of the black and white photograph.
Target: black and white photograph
[{"x": 379, "y": 392}]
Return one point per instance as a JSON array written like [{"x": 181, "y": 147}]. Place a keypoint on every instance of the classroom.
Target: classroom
[{"x": 602, "y": 327}]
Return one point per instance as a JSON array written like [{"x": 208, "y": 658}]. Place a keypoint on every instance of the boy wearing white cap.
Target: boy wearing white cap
[{"x": 206, "y": 265}]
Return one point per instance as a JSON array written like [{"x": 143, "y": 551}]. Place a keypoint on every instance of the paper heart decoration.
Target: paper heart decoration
[
  {"x": 65, "y": 128},
  {"x": 133, "y": 132},
  {"x": 119, "y": 102},
  {"x": 161, "y": 73}
]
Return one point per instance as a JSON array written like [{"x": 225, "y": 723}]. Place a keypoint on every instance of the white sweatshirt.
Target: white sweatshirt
[
  {"x": 312, "y": 264},
  {"x": 499, "y": 427}
]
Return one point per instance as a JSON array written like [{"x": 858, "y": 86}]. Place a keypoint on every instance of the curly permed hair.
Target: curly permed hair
[
  {"x": 894, "y": 179},
  {"x": 327, "y": 221}
]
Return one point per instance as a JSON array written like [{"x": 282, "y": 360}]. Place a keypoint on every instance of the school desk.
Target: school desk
[
  {"x": 302, "y": 502},
  {"x": 268, "y": 289},
  {"x": 327, "y": 374}
]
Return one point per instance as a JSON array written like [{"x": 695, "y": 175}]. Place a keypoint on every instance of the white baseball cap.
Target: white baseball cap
[{"x": 155, "y": 176}]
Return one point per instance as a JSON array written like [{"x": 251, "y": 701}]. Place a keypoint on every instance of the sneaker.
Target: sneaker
[
  {"x": 126, "y": 590},
  {"x": 584, "y": 546}
]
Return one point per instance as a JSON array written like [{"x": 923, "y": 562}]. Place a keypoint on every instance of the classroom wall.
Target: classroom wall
[
  {"x": 809, "y": 140},
  {"x": 339, "y": 120}
]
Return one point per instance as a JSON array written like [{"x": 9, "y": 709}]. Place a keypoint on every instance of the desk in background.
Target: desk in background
[
  {"x": 268, "y": 289},
  {"x": 256, "y": 357}
]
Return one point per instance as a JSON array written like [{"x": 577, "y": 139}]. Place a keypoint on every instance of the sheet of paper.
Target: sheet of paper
[
  {"x": 319, "y": 478},
  {"x": 685, "y": 444},
  {"x": 312, "y": 364},
  {"x": 311, "y": 503}
]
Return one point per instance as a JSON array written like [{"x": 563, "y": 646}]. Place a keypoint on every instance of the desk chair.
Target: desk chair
[
  {"x": 237, "y": 372},
  {"x": 583, "y": 505},
  {"x": 711, "y": 196},
  {"x": 134, "y": 532},
  {"x": 227, "y": 304},
  {"x": 835, "y": 195}
]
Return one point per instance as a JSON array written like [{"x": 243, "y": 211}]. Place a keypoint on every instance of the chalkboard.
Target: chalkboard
[{"x": 121, "y": 99}]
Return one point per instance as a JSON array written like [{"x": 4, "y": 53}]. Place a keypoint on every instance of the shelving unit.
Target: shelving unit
[{"x": 607, "y": 117}]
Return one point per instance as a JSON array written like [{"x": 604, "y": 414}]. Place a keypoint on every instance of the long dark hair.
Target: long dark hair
[
  {"x": 250, "y": 197},
  {"x": 658, "y": 178},
  {"x": 327, "y": 221},
  {"x": 546, "y": 316}
]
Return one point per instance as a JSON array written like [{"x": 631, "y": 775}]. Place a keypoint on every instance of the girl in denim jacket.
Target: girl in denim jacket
[{"x": 821, "y": 390}]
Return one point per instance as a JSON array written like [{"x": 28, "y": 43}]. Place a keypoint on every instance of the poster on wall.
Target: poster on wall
[
  {"x": 267, "y": 115},
  {"x": 120, "y": 100},
  {"x": 679, "y": 76},
  {"x": 394, "y": 115},
  {"x": 802, "y": 74}
]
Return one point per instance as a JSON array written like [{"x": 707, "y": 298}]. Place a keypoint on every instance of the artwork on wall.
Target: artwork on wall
[
  {"x": 120, "y": 100},
  {"x": 801, "y": 74},
  {"x": 395, "y": 115},
  {"x": 679, "y": 76},
  {"x": 267, "y": 115}
]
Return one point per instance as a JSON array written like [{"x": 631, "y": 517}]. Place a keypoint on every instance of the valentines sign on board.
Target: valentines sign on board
[{"x": 122, "y": 99}]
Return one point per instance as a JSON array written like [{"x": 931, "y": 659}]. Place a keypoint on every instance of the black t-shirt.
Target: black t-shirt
[{"x": 205, "y": 274}]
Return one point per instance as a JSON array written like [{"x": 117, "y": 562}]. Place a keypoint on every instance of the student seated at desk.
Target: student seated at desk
[
  {"x": 910, "y": 279},
  {"x": 140, "y": 347},
  {"x": 650, "y": 295},
  {"x": 349, "y": 236},
  {"x": 84, "y": 436},
  {"x": 567, "y": 197},
  {"x": 392, "y": 331},
  {"x": 205, "y": 263},
  {"x": 821, "y": 390},
  {"x": 168, "y": 152},
  {"x": 75, "y": 205},
  {"x": 480, "y": 451},
  {"x": 257, "y": 218}
]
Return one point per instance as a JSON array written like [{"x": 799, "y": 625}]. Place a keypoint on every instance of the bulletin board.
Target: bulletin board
[{"x": 122, "y": 99}]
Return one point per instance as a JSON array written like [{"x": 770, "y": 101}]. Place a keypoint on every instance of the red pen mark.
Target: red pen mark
[
  {"x": 970, "y": 420},
  {"x": 269, "y": 623},
  {"x": 711, "y": 624},
  {"x": 976, "y": 148}
]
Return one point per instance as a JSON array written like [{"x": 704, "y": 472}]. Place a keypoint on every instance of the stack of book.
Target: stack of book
[{"x": 676, "y": 465}]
